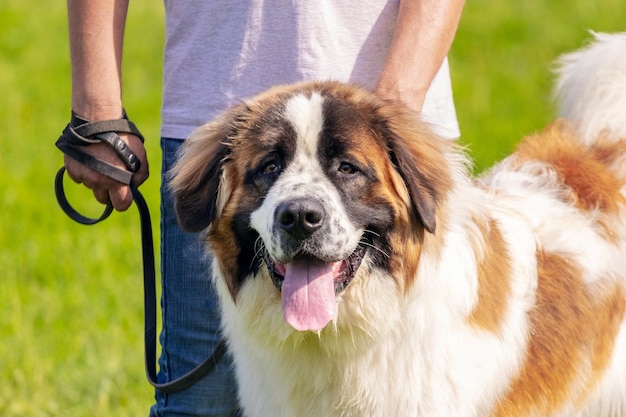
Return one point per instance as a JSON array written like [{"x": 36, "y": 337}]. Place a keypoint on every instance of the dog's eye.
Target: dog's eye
[
  {"x": 347, "y": 168},
  {"x": 271, "y": 167}
]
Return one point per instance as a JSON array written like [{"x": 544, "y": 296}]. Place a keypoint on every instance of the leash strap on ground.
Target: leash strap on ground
[{"x": 70, "y": 143}]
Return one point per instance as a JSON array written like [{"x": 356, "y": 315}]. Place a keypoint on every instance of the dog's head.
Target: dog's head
[{"x": 309, "y": 184}]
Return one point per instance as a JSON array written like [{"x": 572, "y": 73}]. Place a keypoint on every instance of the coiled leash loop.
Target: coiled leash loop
[{"x": 78, "y": 134}]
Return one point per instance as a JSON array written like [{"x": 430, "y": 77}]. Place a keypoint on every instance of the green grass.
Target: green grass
[
  {"x": 71, "y": 296},
  {"x": 71, "y": 322}
]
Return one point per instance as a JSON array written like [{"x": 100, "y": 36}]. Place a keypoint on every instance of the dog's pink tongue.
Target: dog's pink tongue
[{"x": 308, "y": 294}]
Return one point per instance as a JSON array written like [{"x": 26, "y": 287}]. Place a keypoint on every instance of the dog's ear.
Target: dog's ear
[
  {"x": 418, "y": 155},
  {"x": 196, "y": 178}
]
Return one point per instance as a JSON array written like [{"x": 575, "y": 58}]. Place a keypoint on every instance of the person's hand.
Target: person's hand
[
  {"x": 106, "y": 189},
  {"x": 414, "y": 100}
]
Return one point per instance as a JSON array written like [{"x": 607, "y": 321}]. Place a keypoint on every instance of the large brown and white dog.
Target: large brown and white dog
[{"x": 362, "y": 272}]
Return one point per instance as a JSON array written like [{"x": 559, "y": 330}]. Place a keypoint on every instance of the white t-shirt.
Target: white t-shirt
[{"x": 218, "y": 52}]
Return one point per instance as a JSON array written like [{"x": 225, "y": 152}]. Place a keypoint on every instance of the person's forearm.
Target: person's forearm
[
  {"x": 96, "y": 29},
  {"x": 424, "y": 33}
]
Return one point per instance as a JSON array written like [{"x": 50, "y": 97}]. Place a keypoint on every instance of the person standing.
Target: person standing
[{"x": 217, "y": 53}]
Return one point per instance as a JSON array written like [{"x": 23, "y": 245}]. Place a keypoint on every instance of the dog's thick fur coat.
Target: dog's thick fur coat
[{"x": 363, "y": 273}]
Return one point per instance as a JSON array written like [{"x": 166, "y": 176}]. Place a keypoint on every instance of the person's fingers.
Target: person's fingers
[
  {"x": 71, "y": 170},
  {"x": 121, "y": 197},
  {"x": 82, "y": 174},
  {"x": 101, "y": 195},
  {"x": 106, "y": 189}
]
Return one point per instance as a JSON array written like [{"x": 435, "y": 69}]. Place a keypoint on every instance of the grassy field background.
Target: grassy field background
[{"x": 71, "y": 296}]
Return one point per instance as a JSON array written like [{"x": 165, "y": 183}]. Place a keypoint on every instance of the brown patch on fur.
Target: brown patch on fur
[
  {"x": 221, "y": 236},
  {"x": 572, "y": 335},
  {"x": 494, "y": 270},
  {"x": 613, "y": 156},
  {"x": 584, "y": 170},
  {"x": 392, "y": 190},
  {"x": 420, "y": 181},
  {"x": 420, "y": 158},
  {"x": 406, "y": 250},
  {"x": 405, "y": 238},
  {"x": 610, "y": 152}
]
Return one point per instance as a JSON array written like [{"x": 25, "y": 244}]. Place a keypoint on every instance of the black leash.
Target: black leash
[{"x": 80, "y": 133}]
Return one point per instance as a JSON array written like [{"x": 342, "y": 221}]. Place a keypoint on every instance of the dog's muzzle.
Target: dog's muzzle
[{"x": 310, "y": 274}]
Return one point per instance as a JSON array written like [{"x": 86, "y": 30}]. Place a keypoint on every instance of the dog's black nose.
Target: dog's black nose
[{"x": 300, "y": 217}]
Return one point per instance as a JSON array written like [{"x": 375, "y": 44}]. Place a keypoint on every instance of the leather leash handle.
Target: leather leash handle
[
  {"x": 59, "y": 192},
  {"x": 149, "y": 272}
]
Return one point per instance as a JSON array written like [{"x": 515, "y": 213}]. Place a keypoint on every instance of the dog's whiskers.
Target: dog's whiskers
[
  {"x": 364, "y": 242},
  {"x": 260, "y": 253},
  {"x": 371, "y": 232}
]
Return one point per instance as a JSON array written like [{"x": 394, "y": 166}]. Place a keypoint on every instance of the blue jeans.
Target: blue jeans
[{"x": 191, "y": 321}]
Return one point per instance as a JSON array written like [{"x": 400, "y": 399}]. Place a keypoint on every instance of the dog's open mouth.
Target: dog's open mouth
[{"x": 309, "y": 287}]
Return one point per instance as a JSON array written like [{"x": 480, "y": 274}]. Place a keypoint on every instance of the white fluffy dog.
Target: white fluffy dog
[{"x": 363, "y": 273}]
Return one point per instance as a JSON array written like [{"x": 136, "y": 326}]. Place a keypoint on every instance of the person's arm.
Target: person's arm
[
  {"x": 424, "y": 33},
  {"x": 96, "y": 29}
]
